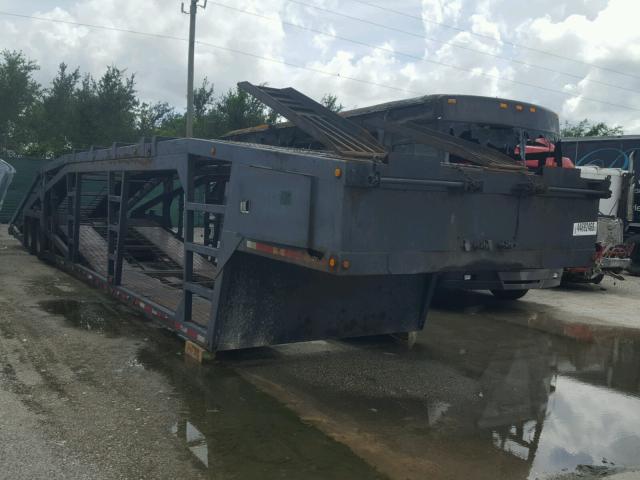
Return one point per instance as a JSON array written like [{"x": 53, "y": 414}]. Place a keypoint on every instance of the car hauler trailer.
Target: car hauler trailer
[
  {"x": 493, "y": 125},
  {"x": 277, "y": 244}
]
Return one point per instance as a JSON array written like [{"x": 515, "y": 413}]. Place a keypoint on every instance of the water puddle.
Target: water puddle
[
  {"x": 563, "y": 407},
  {"x": 475, "y": 399},
  {"x": 553, "y": 406},
  {"x": 232, "y": 430},
  {"x": 91, "y": 316}
]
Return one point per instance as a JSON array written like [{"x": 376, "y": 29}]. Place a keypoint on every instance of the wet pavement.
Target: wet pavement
[
  {"x": 98, "y": 392},
  {"x": 474, "y": 399},
  {"x": 233, "y": 430}
]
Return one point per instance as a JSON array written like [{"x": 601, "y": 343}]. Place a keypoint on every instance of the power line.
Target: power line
[
  {"x": 415, "y": 57},
  {"x": 303, "y": 67},
  {"x": 435, "y": 40},
  {"x": 311, "y": 69},
  {"x": 482, "y": 35},
  {"x": 219, "y": 47}
]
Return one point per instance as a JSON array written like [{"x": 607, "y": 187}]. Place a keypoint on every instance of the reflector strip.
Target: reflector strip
[{"x": 292, "y": 254}]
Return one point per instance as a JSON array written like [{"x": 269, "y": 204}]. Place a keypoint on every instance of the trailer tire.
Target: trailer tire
[
  {"x": 634, "y": 268},
  {"x": 509, "y": 294}
]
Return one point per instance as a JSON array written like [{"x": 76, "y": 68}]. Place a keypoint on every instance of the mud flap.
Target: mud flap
[{"x": 265, "y": 302}]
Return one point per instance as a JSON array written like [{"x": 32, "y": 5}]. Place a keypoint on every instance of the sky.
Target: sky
[{"x": 580, "y": 58}]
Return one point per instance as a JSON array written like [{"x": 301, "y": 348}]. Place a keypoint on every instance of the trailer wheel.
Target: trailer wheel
[
  {"x": 634, "y": 268},
  {"x": 509, "y": 294}
]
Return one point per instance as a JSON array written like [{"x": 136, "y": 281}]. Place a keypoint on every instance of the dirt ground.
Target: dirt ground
[{"x": 89, "y": 389}]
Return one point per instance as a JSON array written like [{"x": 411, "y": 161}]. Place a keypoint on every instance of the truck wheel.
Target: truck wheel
[
  {"x": 634, "y": 269},
  {"x": 509, "y": 294}
]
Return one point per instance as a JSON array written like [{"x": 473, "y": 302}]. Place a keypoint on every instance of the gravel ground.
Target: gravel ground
[{"x": 88, "y": 389}]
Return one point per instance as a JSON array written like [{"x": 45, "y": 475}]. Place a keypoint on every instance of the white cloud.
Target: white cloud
[
  {"x": 481, "y": 25},
  {"x": 440, "y": 11},
  {"x": 600, "y": 31},
  {"x": 323, "y": 42}
]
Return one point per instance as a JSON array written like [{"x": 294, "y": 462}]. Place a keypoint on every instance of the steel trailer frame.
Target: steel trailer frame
[
  {"x": 275, "y": 245},
  {"x": 33, "y": 224}
]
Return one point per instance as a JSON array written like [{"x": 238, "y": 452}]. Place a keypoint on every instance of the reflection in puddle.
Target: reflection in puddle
[
  {"x": 581, "y": 424},
  {"x": 235, "y": 431},
  {"x": 436, "y": 411},
  {"x": 559, "y": 406},
  {"x": 588, "y": 425},
  {"x": 475, "y": 399},
  {"x": 195, "y": 440}
]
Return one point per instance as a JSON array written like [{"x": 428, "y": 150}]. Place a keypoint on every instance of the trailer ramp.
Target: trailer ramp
[
  {"x": 171, "y": 246},
  {"x": 333, "y": 131},
  {"x": 148, "y": 285}
]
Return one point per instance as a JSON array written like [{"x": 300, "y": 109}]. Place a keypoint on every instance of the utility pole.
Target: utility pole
[{"x": 193, "y": 9}]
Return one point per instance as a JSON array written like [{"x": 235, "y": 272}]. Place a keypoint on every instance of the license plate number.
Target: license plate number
[{"x": 585, "y": 228}]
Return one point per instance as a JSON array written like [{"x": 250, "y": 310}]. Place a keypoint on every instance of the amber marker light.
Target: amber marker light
[
  {"x": 337, "y": 172},
  {"x": 519, "y": 108},
  {"x": 332, "y": 262},
  {"x": 532, "y": 109},
  {"x": 452, "y": 101},
  {"x": 504, "y": 106}
]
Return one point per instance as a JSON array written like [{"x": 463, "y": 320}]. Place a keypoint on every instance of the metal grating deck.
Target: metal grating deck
[{"x": 94, "y": 250}]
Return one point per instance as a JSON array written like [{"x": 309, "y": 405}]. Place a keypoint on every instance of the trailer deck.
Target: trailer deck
[{"x": 159, "y": 286}]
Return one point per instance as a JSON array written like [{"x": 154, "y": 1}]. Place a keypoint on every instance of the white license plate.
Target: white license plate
[{"x": 585, "y": 228}]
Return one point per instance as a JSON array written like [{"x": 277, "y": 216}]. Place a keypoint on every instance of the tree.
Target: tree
[
  {"x": 84, "y": 121},
  {"x": 203, "y": 99},
  {"x": 213, "y": 117},
  {"x": 52, "y": 119},
  {"x": 153, "y": 119},
  {"x": 586, "y": 128},
  {"x": 19, "y": 94},
  {"x": 116, "y": 103},
  {"x": 331, "y": 102},
  {"x": 237, "y": 109},
  {"x": 77, "y": 111},
  {"x": 105, "y": 111},
  {"x": 203, "y": 106}
]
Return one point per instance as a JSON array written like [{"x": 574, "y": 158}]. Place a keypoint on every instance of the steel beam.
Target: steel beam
[
  {"x": 122, "y": 226},
  {"x": 188, "y": 185}
]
